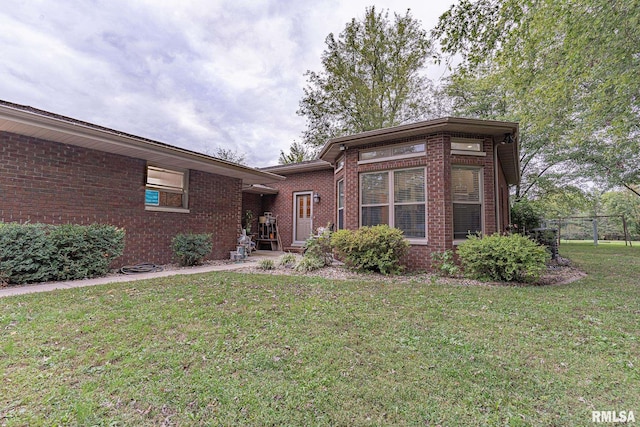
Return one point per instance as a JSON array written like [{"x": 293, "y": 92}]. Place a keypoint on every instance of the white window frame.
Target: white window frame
[
  {"x": 295, "y": 242},
  {"x": 393, "y": 157},
  {"x": 338, "y": 208},
  {"x": 340, "y": 164},
  {"x": 480, "y": 202},
  {"x": 468, "y": 142},
  {"x": 391, "y": 201},
  {"x": 184, "y": 190}
]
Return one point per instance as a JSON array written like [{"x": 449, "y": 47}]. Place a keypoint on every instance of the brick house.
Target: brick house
[
  {"x": 56, "y": 170},
  {"x": 436, "y": 180}
]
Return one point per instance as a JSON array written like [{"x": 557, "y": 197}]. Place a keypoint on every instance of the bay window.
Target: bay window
[
  {"x": 396, "y": 198},
  {"x": 466, "y": 185}
]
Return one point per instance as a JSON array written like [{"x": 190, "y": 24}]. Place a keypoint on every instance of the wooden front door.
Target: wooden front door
[{"x": 303, "y": 216}]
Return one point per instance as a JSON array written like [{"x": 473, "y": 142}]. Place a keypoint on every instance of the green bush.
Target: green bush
[
  {"x": 191, "y": 249},
  {"x": 84, "y": 251},
  {"x": 266, "y": 264},
  {"x": 25, "y": 252},
  {"x": 309, "y": 263},
  {"x": 36, "y": 253},
  {"x": 502, "y": 258},
  {"x": 525, "y": 215},
  {"x": 377, "y": 248},
  {"x": 288, "y": 260},
  {"x": 320, "y": 247},
  {"x": 444, "y": 263}
]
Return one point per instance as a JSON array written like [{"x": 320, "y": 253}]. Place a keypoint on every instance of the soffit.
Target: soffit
[
  {"x": 508, "y": 152},
  {"x": 47, "y": 126}
]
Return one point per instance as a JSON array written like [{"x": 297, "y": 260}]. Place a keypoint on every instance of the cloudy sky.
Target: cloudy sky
[{"x": 198, "y": 74}]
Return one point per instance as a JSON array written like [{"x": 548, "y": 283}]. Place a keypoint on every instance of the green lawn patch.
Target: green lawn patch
[{"x": 239, "y": 349}]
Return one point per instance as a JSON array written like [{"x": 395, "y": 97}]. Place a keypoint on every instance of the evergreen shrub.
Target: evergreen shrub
[{"x": 191, "y": 249}]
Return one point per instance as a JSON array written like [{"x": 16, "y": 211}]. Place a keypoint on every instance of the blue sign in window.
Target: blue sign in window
[{"x": 152, "y": 197}]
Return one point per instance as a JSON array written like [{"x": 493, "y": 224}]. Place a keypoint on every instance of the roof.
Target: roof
[
  {"x": 508, "y": 153},
  {"x": 29, "y": 121},
  {"x": 306, "y": 166},
  {"x": 259, "y": 189}
]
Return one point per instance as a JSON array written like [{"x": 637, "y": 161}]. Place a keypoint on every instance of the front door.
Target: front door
[{"x": 302, "y": 213}]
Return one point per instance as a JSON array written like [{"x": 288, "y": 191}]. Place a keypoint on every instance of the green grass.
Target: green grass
[
  {"x": 603, "y": 242},
  {"x": 237, "y": 349}
]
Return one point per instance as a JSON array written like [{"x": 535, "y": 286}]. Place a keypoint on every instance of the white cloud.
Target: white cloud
[{"x": 194, "y": 73}]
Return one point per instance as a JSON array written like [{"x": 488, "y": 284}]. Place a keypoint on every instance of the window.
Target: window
[
  {"x": 396, "y": 198},
  {"x": 340, "y": 205},
  {"x": 340, "y": 164},
  {"x": 398, "y": 151},
  {"x": 466, "y": 185},
  {"x": 466, "y": 144},
  {"x": 165, "y": 189}
]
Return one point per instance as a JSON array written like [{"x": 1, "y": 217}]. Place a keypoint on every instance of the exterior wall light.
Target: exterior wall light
[{"x": 316, "y": 197}]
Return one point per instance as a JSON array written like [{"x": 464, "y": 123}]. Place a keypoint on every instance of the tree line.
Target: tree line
[{"x": 568, "y": 71}]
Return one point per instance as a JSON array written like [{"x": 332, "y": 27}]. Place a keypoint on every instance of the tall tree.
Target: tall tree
[
  {"x": 297, "y": 153},
  {"x": 371, "y": 78},
  {"x": 570, "y": 70}
]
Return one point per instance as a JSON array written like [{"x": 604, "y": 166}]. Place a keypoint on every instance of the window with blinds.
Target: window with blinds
[
  {"x": 466, "y": 187},
  {"x": 166, "y": 188},
  {"x": 340, "y": 204},
  {"x": 396, "y": 198}
]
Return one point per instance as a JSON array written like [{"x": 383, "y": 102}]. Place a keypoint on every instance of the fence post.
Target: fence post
[{"x": 626, "y": 232}]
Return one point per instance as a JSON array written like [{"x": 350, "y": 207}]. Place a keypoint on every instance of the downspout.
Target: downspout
[{"x": 496, "y": 183}]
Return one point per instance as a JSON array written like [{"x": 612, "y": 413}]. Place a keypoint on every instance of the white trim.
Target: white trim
[
  {"x": 386, "y": 159},
  {"x": 337, "y": 223},
  {"x": 393, "y": 157},
  {"x": 184, "y": 191},
  {"x": 295, "y": 242},
  {"x": 481, "y": 195},
  {"x": 391, "y": 202},
  {"x": 165, "y": 209},
  {"x": 342, "y": 159}
]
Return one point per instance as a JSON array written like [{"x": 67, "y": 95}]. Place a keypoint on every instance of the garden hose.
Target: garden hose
[{"x": 140, "y": 268}]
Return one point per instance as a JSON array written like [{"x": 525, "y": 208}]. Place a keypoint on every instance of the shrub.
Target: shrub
[
  {"x": 191, "y": 249},
  {"x": 288, "y": 260},
  {"x": 309, "y": 263},
  {"x": 320, "y": 247},
  {"x": 266, "y": 264},
  {"x": 377, "y": 248},
  {"x": 525, "y": 215},
  {"x": 445, "y": 263},
  {"x": 37, "y": 253},
  {"x": 502, "y": 258},
  {"x": 25, "y": 252},
  {"x": 84, "y": 251}
]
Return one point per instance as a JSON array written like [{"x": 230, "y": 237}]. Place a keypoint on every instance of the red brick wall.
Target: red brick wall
[
  {"x": 48, "y": 182},
  {"x": 252, "y": 202},
  {"x": 282, "y": 204},
  {"x": 437, "y": 161}
]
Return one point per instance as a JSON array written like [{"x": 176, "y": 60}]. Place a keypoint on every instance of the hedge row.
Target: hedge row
[{"x": 38, "y": 253}]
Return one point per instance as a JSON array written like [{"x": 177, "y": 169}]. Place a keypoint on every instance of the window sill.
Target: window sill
[
  {"x": 469, "y": 153},
  {"x": 418, "y": 242},
  {"x": 166, "y": 209}
]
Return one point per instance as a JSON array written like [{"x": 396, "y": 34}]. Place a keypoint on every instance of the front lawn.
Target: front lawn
[{"x": 239, "y": 349}]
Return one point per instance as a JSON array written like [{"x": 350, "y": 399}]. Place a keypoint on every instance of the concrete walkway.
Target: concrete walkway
[{"x": 51, "y": 286}]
